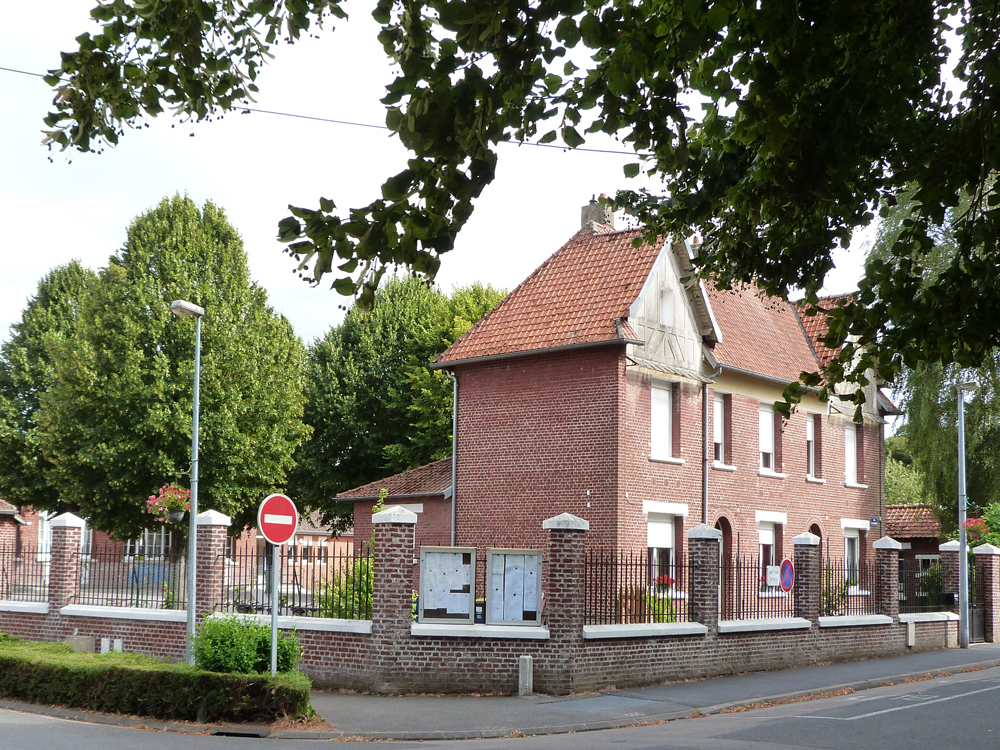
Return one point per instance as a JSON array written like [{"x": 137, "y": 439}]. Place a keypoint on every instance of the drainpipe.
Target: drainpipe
[
  {"x": 704, "y": 446},
  {"x": 454, "y": 448}
]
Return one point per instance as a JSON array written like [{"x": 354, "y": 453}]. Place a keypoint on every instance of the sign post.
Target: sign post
[{"x": 277, "y": 520}]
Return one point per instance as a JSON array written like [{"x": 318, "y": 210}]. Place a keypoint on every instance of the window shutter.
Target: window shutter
[
  {"x": 675, "y": 420},
  {"x": 777, "y": 443},
  {"x": 818, "y": 448}
]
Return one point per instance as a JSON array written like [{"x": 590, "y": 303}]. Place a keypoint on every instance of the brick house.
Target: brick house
[{"x": 610, "y": 386}]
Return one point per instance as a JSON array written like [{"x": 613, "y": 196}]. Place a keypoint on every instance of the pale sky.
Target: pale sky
[{"x": 80, "y": 205}]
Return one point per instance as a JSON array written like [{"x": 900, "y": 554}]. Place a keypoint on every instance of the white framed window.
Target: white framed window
[
  {"x": 151, "y": 543},
  {"x": 810, "y": 446},
  {"x": 292, "y": 553},
  {"x": 306, "y": 549},
  {"x": 850, "y": 454},
  {"x": 852, "y": 555},
  {"x": 766, "y": 547},
  {"x": 766, "y": 430},
  {"x": 719, "y": 428},
  {"x": 666, "y": 307},
  {"x": 661, "y": 422},
  {"x": 660, "y": 547}
]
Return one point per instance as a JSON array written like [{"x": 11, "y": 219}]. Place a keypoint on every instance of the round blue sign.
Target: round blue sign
[{"x": 787, "y": 575}]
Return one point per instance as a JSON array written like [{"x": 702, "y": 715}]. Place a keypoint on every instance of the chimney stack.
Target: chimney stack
[{"x": 597, "y": 213}]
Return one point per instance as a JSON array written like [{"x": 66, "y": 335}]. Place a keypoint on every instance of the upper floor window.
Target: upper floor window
[
  {"x": 664, "y": 430},
  {"x": 719, "y": 429},
  {"x": 768, "y": 445},
  {"x": 814, "y": 445},
  {"x": 667, "y": 307},
  {"x": 854, "y": 453}
]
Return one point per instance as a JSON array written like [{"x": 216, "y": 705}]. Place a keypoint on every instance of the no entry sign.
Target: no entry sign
[{"x": 277, "y": 519}]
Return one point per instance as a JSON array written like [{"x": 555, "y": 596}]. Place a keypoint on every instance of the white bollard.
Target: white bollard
[{"x": 525, "y": 675}]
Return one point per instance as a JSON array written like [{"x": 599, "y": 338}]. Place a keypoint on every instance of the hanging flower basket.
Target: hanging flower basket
[
  {"x": 169, "y": 504},
  {"x": 175, "y": 516}
]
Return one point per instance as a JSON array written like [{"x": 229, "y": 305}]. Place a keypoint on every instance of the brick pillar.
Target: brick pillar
[
  {"x": 565, "y": 594},
  {"x": 213, "y": 531},
  {"x": 703, "y": 598},
  {"x": 887, "y": 567},
  {"x": 949, "y": 568},
  {"x": 808, "y": 576},
  {"x": 392, "y": 594},
  {"x": 988, "y": 567},
  {"x": 64, "y": 562}
]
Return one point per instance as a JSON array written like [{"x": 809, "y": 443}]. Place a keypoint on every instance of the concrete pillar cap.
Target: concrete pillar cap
[
  {"x": 213, "y": 518},
  {"x": 395, "y": 514},
  {"x": 951, "y": 546},
  {"x": 67, "y": 520},
  {"x": 703, "y": 531},
  {"x": 566, "y": 522},
  {"x": 887, "y": 542},
  {"x": 986, "y": 549},
  {"x": 805, "y": 539}
]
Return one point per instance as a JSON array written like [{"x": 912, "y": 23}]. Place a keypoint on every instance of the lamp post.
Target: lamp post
[
  {"x": 183, "y": 309},
  {"x": 963, "y": 557}
]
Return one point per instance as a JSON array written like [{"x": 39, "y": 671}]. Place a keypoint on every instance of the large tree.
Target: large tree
[
  {"x": 116, "y": 421},
  {"x": 816, "y": 115},
  {"x": 375, "y": 406},
  {"x": 25, "y": 374}
]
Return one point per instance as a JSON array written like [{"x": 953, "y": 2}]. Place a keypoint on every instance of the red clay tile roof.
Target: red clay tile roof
[
  {"x": 7, "y": 509},
  {"x": 816, "y": 326},
  {"x": 760, "y": 334},
  {"x": 911, "y": 521},
  {"x": 572, "y": 298},
  {"x": 429, "y": 479}
]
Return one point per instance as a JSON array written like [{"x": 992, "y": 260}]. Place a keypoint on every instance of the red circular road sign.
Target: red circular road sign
[
  {"x": 787, "y": 575},
  {"x": 277, "y": 519}
]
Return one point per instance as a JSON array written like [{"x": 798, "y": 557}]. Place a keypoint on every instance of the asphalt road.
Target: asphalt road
[{"x": 950, "y": 712}]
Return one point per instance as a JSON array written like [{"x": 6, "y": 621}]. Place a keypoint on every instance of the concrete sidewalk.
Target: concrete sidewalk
[{"x": 467, "y": 717}]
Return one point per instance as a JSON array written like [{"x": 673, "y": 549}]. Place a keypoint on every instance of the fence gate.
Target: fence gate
[{"x": 977, "y": 609}]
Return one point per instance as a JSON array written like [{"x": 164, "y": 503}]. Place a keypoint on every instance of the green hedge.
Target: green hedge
[
  {"x": 53, "y": 673},
  {"x": 232, "y": 644}
]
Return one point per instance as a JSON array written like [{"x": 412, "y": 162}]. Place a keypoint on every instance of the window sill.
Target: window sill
[
  {"x": 856, "y": 486},
  {"x": 771, "y": 474},
  {"x": 667, "y": 460},
  {"x": 815, "y": 480},
  {"x": 719, "y": 466}
]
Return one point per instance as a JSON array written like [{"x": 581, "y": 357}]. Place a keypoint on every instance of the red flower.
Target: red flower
[{"x": 665, "y": 580}]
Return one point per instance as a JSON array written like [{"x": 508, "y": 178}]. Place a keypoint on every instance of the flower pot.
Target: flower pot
[{"x": 175, "y": 516}]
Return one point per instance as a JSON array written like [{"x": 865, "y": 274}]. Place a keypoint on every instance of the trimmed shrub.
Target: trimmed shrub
[
  {"x": 232, "y": 644},
  {"x": 55, "y": 674}
]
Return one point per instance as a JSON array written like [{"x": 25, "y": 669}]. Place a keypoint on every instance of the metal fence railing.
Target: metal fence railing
[
  {"x": 920, "y": 588},
  {"x": 24, "y": 574},
  {"x": 631, "y": 587},
  {"x": 849, "y": 587},
  {"x": 109, "y": 577},
  {"x": 744, "y": 593},
  {"x": 325, "y": 585}
]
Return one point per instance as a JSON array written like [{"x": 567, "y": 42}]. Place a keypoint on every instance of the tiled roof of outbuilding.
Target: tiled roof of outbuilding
[
  {"x": 573, "y": 298},
  {"x": 429, "y": 479},
  {"x": 760, "y": 334},
  {"x": 911, "y": 521}
]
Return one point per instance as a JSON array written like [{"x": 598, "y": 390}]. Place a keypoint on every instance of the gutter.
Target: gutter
[
  {"x": 532, "y": 352},
  {"x": 761, "y": 376},
  {"x": 704, "y": 436},
  {"x": 454, "y": 449}
]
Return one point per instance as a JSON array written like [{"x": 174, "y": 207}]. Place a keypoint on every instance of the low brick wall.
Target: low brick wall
[{"x": 391, "y": 654}]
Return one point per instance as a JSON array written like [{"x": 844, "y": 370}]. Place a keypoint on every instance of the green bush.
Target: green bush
[
  {"x": 349, "y": 595},
  {"x": 55, "y": 674},
  {"x": 232, "y": 644}
]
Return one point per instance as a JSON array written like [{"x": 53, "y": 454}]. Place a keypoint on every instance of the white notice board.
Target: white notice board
[
  {"x": 514, "y": 586},
  {"x": 447, "y": 584}
]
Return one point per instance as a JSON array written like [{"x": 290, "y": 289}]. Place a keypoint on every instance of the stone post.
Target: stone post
[
  {"x": 808, "y": 585},
  {"x": 64, "y": 564},
  {"x": 213, "y": 531},
  {"x": 988, "y": 571},
  {"x": 887, "y": 568},
  {"x": 703, "y": 598},
  {"x": 565, "y": 598},
  {"x": 949, "y": 568},
  {"x": 392, "y": 593}
]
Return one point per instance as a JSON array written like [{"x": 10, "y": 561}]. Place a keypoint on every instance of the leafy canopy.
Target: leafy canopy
[
  {"x": 116, "y": 422},
  {"x": 816, "y": 115},
  {"x": 375, "y": 406}
]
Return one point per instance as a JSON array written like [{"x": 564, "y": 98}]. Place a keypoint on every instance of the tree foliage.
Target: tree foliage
[
  {"x": 375, "y": 406},
  {"x": 816, "y": 115},
  {"x": 25, "y": 374},
  {"x": 903, "y": 481},
  {"x": 116, "y": 422}
]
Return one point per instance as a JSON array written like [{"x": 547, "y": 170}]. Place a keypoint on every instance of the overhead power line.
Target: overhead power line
[{"x": 376, "y": 127}]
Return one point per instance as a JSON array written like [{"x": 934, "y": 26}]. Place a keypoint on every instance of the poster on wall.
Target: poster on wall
[
  {"x": 513, "y": 588},
  {"x": 447, "y": 584}
]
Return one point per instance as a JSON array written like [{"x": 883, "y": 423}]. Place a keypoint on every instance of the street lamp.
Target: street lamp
[
  {"x": 963, "y": 558},
  {"x": 183, "y": 309}
]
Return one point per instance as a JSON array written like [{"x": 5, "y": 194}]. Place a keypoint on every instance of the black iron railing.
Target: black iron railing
[
  {"x": 328, "y": 585},
  {"x": 24, "y": 574},
  {"x": 630, "y": 587},
  {"x": 744, "y": 593},
  {"x": 109, "y": 577},
  {"x": 849, "y": 587}
]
